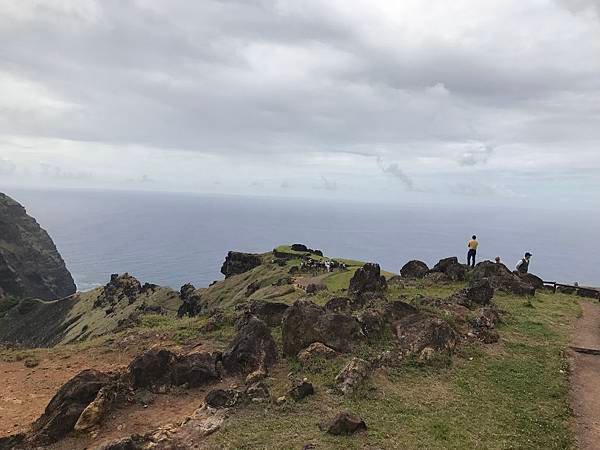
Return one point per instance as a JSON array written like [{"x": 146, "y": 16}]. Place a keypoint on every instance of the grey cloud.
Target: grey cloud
[
  {"x": 581, "y": 5},
  {"x": 479, "y": 155},
  {"x": 395, "y": 171},
  {"x": 7, "y": 167}
]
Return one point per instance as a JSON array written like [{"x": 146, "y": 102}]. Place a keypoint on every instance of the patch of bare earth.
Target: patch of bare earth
[
  {"x": 585, "y": 386},
  {"x": 25, "y": 391}
]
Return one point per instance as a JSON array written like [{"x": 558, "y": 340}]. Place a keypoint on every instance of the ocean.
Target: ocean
[{"x": 172, "y": 239}]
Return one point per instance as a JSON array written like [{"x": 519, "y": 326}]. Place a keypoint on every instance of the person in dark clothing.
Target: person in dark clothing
[
  {"x": 523, "y": 264},
  {"x": 472, "y": 246}
]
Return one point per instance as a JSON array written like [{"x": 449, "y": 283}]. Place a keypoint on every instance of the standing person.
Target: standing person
[
  {"x": 472, "y": 246},
  {"x": 523, "y": 264}
]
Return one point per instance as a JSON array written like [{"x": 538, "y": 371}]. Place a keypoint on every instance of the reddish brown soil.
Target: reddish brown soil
[
  {"x": 585, "y": 386},
  {"x": 25, "y": 392}
]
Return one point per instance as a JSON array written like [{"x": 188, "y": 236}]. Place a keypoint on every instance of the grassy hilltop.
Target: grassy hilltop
[{"x": 509, "y": 394}]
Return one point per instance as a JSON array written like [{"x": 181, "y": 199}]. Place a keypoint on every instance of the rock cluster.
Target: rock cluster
[
  {"x": 306, "y": 322},
  {"x": 367, "y": 279},
  {"x": 502, "y": 279},
  {"x": 450, "y": 267},
  {"x": 191, "y": 305},
  {"x": 414, "y": 269},
  {"x": 238, "y": 262},
  {"x": 120, "y": 287},
  {"x": 253, "y": 348},
  {"x": 30, "y": 265}
]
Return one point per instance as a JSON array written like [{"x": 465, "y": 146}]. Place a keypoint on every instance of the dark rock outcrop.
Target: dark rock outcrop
[
  {"x": 366, "y": 279},
  {"x": 305, "y": 322},
  {"x": 299, "y": 248},
  {"x": 531, "y": 279},
  {"x": 345, "y": 423},
  {"x": 223, "y": 398},
  {"x": 195, "y": 369},
  {"x": 30, "y": 265},
  {"x": 301, "y": 389},
  {"x": 238, "y": 262},
  {"x": 191, "y": 301},
  {"x": 414, "y": 269},
  {"x": 252, "y": 349},
  {"x": 480, "y": 293},
  {"x": 502, "y": 279},
  {"x": 450, "y": 267},
  {"x": 352, "y": 375},
  {"x": 65, "y": 408},
  {"x": 374, "y": 319},
  {"x": 419, "y": 333},
  {"x": 270, "y": 313},
  {"x": 151, "y": 368},
  {"x": 316, "y": 351},
  {"x": 120, "y": 287}
]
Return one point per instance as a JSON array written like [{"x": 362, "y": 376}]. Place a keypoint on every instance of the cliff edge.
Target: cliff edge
[{"x": 30, "y": 265}]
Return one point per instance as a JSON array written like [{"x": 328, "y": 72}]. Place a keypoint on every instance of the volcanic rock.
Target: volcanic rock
[
  {"x": 414, "y": 269},
  {"x": 479, "y": 293},
  {"x": 501, "y": 278},
  {"x": 352, "y": 375},
  {"x": 252, "y": 348},
  {"x": 30, "y": 265},
  {"x": 238, "y": 262},
  {"x": 305, "y": 322},
  {"x": 194, "y": 369},
  {"x": 314, "y": 351},
  {"x": 151, "y": 368},
  {"x": 119, "y": 287},
  {"x": 270, "y": 313},
  {"x": 191, "y": 301},
  {"x": 301, "y": 390},
  {"x": 418, "y": 333},
  {"x": 67, "y": 405},
  {"x": 223, "y": 398},
  {"x": 345, "y": 423},
  {"x": 531, "y": 279},
  {"x": 367, "y": 279}
]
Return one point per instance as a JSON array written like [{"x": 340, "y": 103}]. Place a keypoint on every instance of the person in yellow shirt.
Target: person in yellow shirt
[{"x": 472, "y": 246}]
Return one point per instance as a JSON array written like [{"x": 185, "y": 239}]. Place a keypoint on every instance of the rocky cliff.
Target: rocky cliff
[{"x": 30, "y": 265}]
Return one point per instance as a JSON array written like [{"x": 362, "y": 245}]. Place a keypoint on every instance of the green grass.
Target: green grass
[{"x": 513, "y": 394}]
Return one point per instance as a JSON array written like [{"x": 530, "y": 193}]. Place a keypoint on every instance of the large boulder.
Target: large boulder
[
  {"x": 450, "y": 267},
  {"x": 270, "y": 313},
  {"x": 501, "y": 278},
  {"x": 480, "y": 293},
  {"x": 120, "y": 287},
  {"x": 195, "y": 369},
  {"x": 67, "y": 405},
  {"x": 151, "y": 368},
  {"x": 305, "y": 322},
  {"x": 418, "y": 334},
  {"x": 30, "y": 265},
  {"x": 531, "y": 279},
  {"x": 238, "y": 262},
  {"x": 414, "y": 269},
  {"x": 191, "y": 304},
  {"x": 345, "y": 423},
  {"x": 352, "y": 375},
  {"x": 366, "y": 279},
  {"x": 374, "y": 319},
  {"x": 252, "y": 349}
]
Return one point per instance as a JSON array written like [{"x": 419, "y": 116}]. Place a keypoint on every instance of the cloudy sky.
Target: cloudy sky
[{"x": 469, "y": 100}]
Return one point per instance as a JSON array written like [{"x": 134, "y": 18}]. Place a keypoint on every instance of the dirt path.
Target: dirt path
[{"x": 585, "y": 385}]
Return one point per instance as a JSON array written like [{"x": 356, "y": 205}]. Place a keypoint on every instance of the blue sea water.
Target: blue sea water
[{"x": 172, "y": 239}]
